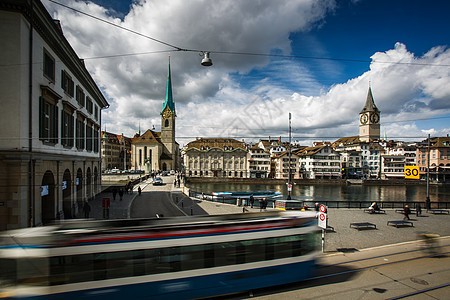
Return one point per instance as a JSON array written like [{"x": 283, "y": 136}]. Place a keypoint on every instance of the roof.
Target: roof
[
  {"x": 370, "y": 104},
  {"x": 440, "y": 142},
  {"x": 147, "y": 137},
  {"x": 347, "y": 141},
  {"x": 169, "y": 99},
  {"x": 226, "y": 144},
  {"x": 114, "y": 138}
]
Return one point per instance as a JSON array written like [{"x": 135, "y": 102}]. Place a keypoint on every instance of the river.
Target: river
[{"x": 328, "y": 192}]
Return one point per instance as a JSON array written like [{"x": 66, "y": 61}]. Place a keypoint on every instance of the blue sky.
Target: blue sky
[{"x": 246, "y": 96}]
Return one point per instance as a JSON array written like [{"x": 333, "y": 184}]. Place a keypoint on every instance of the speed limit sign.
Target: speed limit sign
[{"x": 412, "y": 172}]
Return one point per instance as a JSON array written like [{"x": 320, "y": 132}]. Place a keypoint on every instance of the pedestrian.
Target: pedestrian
[
  {"x": 114, "y": 193},
  {"x": 121, "y": 194},
  {"x": 252, "y": 200},
  {"x": 264, "y": 203},
  {"x": 86, "y": 209},
  {"x": 175, "y": 183},
  {"x": 131, "y": 188},
  {"x": 139, "y": 190},
  {"x": 406, "y": 212},
  {"x": 418, "y": 210},
  {"x": 316, "y": 206},
  {"x": 261, "y": 204}
]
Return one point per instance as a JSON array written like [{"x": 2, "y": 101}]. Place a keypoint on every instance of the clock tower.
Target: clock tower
[
  {"x": 168, "y": 116},
  {"x": 369, "y": 120}
]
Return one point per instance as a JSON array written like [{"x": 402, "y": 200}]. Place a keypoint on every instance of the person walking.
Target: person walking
[
  {"x": 120, "y": 194},
  {"x": 418, "y": 210},
  {"x": 114, "y": 193},
  {"x": 261, "y": 204},
  {"x": 252, "y": 200},
  {"x": 406, "y": 212},
  {"x": 139, "y": 190},
  {"x": 86, "y": 209}
]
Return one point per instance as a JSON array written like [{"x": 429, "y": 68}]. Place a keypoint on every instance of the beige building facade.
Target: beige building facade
[{"x": 50, "y": 129}]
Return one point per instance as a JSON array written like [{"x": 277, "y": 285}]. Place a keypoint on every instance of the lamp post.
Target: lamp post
[
  {"x": 427, "y": 201},
  {"x": 289, "y": 146}
]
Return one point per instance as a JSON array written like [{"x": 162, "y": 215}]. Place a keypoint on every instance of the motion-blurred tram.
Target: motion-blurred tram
[{"x": 166, "y": 258}]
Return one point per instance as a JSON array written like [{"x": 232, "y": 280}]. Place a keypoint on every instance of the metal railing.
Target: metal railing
[{"x": 332, "y": 203}]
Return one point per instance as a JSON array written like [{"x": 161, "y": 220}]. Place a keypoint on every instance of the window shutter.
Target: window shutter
[
  {"x": 41, "y": 117},
  {"x": 55, "y": 124}
]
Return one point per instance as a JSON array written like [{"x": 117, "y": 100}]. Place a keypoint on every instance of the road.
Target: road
[{"x": 155, "y": 200}]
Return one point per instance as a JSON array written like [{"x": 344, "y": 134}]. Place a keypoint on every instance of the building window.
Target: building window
[
  {"x": 96, "y": 140},
  {"x": 80, "y": 96},
  {"x": 166, "y": 123},
  {"x": 89, "y": 105},
  {"x": 67, "y": 83},
  {"x": 80, "y": 134},
  {"x": 48, "y": 121},
  {"x": 96, "y": 112},
  {"x": 67, "y": 129},
  {"x": 49, "y": 66},
  {"x": 88, "y": 138}
]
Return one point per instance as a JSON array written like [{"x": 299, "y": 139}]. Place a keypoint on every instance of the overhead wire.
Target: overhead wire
[{"x": 177, "y": 48}]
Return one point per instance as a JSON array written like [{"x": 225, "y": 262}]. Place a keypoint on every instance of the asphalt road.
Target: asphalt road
[{"x": 155, "y": 200}]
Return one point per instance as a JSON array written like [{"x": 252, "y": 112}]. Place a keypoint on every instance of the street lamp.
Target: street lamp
[
  {"x": 206, "y": 61},
  {"x": 289, "y": 146}
]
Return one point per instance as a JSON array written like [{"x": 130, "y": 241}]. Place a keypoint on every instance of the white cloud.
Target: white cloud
[{"x": 243, "y": 95}]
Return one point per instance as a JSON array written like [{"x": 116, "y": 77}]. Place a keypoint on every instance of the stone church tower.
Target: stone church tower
[
  {"x": 369, "y": 120},
  {"x": 169, "y": 156}
]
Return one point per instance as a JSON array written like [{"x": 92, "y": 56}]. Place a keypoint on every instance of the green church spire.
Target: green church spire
[{"x": 169, "y": 100}]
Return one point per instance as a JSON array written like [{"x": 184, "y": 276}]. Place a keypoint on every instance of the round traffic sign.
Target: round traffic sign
[
  {"x": 322, "y": 217},
  {"x": 323, "y": 208}
]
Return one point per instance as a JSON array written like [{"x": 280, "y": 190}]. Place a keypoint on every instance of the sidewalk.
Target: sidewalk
[{"x": 118, "y": 209}]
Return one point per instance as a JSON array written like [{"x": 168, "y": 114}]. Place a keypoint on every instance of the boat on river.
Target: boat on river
[{"x": 256, "y": 194}]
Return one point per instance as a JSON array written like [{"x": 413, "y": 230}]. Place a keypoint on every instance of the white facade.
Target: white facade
[
  {"x": 320, "y": 162},
  {"x": 258, "y": 162}
]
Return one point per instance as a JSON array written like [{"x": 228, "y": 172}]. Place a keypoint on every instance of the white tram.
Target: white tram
[{"x": 168, "y": 258}]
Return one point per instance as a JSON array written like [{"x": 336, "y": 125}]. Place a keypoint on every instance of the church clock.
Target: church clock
[
  {"x": 167, "y": 113},
  {"x": 364, "y": 118},
  {"x": 374, "y": 118}
]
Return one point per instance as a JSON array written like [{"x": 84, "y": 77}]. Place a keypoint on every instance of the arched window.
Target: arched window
[{"x": 166, "y": 123}]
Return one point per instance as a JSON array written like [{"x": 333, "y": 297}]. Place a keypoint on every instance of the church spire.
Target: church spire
[
  {"x": 370, "y": 103},
  {"x": 169, "y": 100}
]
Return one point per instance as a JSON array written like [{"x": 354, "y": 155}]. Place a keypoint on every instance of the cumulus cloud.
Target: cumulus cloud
[{"x": 242, "y": 95}]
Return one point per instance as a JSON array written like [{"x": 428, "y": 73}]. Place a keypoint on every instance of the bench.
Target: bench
[
  {"x": 370, "y": 211},
  {"x": 363, "y": 225},
  {"x": 401, "y": 211},
  {"x": 400, "y": 223},
  {"x": 438, "y": 211}
]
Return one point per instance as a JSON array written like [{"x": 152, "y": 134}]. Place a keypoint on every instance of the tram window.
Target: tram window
[
  {"x": 8, "y": 275},
  {"x": 254, "y": 250},
  {"x": 32, "y": 271},
  {"x": 225, "y": 254},
  {"x": 77, "y": 268},
  {"x": 119, "y": 264},
  {"x": 138, "y": 262},
  {"x": 209, "y": 256},
  {"x": 99, "y": 266},
  {"x": 192, "y": 257},
  {"x": 152, "y": 260}
]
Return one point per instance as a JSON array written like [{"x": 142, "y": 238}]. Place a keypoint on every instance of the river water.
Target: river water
[{"x": 328, "y": 192}]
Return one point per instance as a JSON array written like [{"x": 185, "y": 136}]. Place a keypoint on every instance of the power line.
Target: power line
[{"x": 231, "y": 52}]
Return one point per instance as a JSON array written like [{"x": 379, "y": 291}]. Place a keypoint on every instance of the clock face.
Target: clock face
[
  {"x": 364, "y": 118},
  {"x": 167, "y": 113},
  {"x": 374, "y": 118}
]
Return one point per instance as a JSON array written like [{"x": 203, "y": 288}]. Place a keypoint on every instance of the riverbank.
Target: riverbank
[{"x": 385, "y": 182}]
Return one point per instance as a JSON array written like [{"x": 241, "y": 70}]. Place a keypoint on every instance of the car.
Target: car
[
  {"x": 165, "y": 173},
  {"x": 158, "y": 181}
]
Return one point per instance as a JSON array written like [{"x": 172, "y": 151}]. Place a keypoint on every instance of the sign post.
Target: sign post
[
  {"x": 412, "y": 172},
  {"x": 322, "y": 222}
]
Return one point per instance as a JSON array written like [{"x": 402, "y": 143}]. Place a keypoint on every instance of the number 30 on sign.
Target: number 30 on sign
[{"x": 412, "y": 172}]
